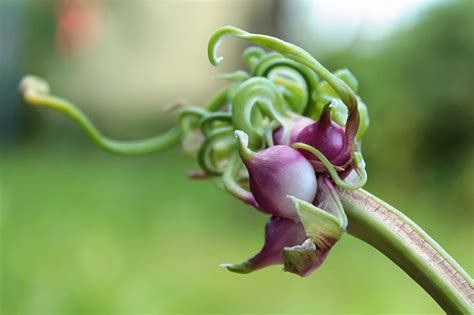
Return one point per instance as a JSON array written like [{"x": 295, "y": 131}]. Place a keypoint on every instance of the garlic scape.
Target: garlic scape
[{"x": 285, "y": 137}]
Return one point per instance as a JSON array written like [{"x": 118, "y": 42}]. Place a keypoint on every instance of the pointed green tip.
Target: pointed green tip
[
  {"x": 217, "y": 38},
  {"x": 244, "y": 150},
  {"x": 242, "y": 268},
  {"x": 294, "y": 200}
]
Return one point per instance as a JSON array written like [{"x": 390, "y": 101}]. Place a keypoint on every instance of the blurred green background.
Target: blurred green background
[{"x": 85, "y": 232}]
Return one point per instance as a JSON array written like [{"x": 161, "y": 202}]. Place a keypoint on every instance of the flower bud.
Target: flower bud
[
  {"x": 275, "y": 173},
  {"x": 327, "y": 137},
  {"x": 296, "y": 125}
]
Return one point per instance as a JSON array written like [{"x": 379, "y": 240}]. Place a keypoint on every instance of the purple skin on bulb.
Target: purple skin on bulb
[
  {"x": 275, "y": 173},
  {"x": 279, "y": 233},
  {"x": 296, "y": 125},
  {"x": 329, "y": 138}
]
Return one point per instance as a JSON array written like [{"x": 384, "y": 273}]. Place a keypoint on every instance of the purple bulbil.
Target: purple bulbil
[
  {"x": 329, "y": 138},
  {"x": 296, "y": 125},
  {"x": 275, "y": 173}
]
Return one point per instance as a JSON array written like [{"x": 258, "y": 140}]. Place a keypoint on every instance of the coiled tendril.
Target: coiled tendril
[
  {"x": 298, "y": 82},
  {"x": 279, "y": 85}
]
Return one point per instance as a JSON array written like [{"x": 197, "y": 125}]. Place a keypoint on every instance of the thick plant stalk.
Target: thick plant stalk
[{"x": 407, "y": 245}]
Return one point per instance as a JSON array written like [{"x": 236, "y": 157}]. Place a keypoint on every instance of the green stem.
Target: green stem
[
  {"x": 360, "y": 167},
  {"x": 143, "y": 146},
  {"x": 217, "y": 101},
  {"x": 289, "y": 51},
  {"x": 35, "y": 92},
  {"x": 407, "y": 245},
  {"x": 205, "y": 158}
]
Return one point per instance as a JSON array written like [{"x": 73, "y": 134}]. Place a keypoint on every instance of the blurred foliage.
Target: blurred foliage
[
  {"x": 89, "y": 233},
  {"x": 419, "y": 91}
]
